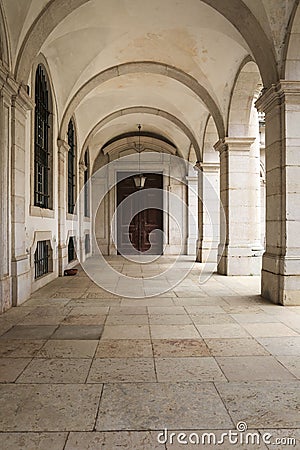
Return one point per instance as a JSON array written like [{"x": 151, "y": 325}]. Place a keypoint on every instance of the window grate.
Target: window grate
[
  {"x": 87, "y": 244},
  {"x": 71, "y": 249},
  {"x": 86, "y": 185},
  {"x": 41, "y": 141},
  {"x": 41, "y": 259},
  {"x": 71, "y": 168}
]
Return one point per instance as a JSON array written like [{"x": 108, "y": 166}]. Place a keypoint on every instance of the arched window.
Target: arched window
[
  {"x": 42, "y": 141},
  {"x": 86, "y": 186},
  {"x": 71, "y": 167}
]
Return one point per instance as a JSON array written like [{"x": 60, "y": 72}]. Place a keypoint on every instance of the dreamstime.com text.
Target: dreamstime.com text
[{"x": 240, "y": 436}]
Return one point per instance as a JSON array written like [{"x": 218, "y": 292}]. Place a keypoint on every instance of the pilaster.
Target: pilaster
[
  {"x": 63, "y": 149},
  {"x": 21, "y": 103},
  {"x": 208, "y": 211}
]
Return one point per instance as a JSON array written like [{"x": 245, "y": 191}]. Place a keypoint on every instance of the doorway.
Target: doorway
[{"x": 144, "y": 231}]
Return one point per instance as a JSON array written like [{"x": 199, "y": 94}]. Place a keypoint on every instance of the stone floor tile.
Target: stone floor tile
[
  {"x": 127, "y": 319},
  {"x": 112, "y": 370},
  {"x": 170, "y": 319},
  {"x": 19, "y": 348},
  {"x": 253, "y": 368},
  {"x": 289, "y": 438},
  {"x": 31, "y": 407},
  {"x": 153, "y": 406},
  {"x": 68, "y": 349},
  {"x": 226, "y": 330},
  {"x": 33, "y": 441},
  {"x": 30, "y": 332},
  {"x": 263, "y": 404},
  {"x": 126, "y": 440},
  {"x": 84, "y": 320},
  {"x": 242, "y": 309},
  {"x": 150, "y": 301},
  {"x": 56, "y": 371},
  {"x": 188, "y": 369},
  {"x": 210, "y": 319},
  {"x": 235, "y": 347},
  {"x": 130, "y": 310},
  {"x": 126, "y": 332},
  {"x": 179, "y": 348},
  {"x": 174, "y": 332},
  {"x": 199, "y": 301},
  {"x": 206, "y": 309},
  {"x": 78, "y": 332},
  {"x": 254, "y": 318},
  {"x": 124, "y": 348},
  {"x": 268, "y": 329},
  {"x": 47, "y": 320},
  {"x": 11, "y": 368},
  {"x": 89, "y": 310},
  {"x": 282, "y": 346},
  {"x": 154, "y": 310},
  {"x": 292, "y": 363}
]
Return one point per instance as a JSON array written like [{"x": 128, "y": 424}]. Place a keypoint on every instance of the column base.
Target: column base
[
  {"x": 280, "y": 282},
  {"x": 62, "y": 259},
  {"x": 192, "y": 246},
  {"x": 5, "y": 294},
  {"x": 240, "y": 261},
  {"x": 21, "y": 280},
  {"x": 207, "y": 251}
]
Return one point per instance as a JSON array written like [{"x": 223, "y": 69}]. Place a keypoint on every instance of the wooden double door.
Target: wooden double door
[{"x": 142, "y": 231}]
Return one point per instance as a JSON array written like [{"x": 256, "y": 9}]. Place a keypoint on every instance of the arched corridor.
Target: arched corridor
[{"x": 154, "y": 148}]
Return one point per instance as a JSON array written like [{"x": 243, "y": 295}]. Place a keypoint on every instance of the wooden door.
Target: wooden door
[{"x": 137, "y": 231}]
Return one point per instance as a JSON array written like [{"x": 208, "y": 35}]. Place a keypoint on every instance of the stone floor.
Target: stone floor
[{"x": 84, "y": 369}]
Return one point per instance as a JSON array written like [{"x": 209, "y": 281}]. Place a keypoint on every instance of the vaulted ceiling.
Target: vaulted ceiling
[{"x": 175, "y": 61}]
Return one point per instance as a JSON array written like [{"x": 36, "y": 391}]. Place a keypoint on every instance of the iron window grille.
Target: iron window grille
[
  {"x": 71, "y": 249},
  {"x": 71, "y": 168},
  {"x": 41, "y": 140},
  {"x": 86, "y": 185},
  {"x": 87, "y": 244},
  {"x": 41, "y": 259}
]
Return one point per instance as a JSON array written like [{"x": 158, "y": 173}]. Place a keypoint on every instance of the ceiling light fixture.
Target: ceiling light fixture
[{"x": 139, "y": 179}]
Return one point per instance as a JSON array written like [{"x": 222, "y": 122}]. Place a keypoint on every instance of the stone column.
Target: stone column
[
  {"x": 5, "y": 212},
  {"x": 281, "y": 260},
  {"x": 192, "y": 185},
  {"x": 21, "y": 274},
  {"x": 63, "y": 149},
  {"x": 209, "y": 211},
  {"x": 80, "y": 200},
  {"x": 241, "y": 254}
]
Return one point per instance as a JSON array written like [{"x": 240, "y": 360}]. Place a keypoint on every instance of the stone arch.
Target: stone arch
[
  {"x": 291, "y": 58},
  {"x": 146, "y": 110},
  {"x": 247, "y": 86},
  {"x": 245, "y": 22},
  {"x": 210, "y": 137},
  {"x": 148, "y": 67},
  {"x": 5, "y": 56}
]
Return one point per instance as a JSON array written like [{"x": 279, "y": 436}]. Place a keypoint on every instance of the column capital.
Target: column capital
[
  {"x": 276, "y": 94},
  {"x": 17, "y": 92},
  {"x": 63, "y": 149},
  {"x": 208, "y": 166},
  {"x": 234, "y": 144}
]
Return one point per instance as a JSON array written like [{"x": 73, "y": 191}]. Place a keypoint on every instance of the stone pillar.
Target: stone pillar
[
  {"x": 192, "y": 184},
  {"x": 209, "y": 211},
  {"x": 242, "y": 252},
  {"x": 80, "y": 200},
  {"x": 5, "y": 214},
  {"x": 281, "y": 260},
  {"x": 63, "y": 149},
  {"x": 21, "y": 274}
]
